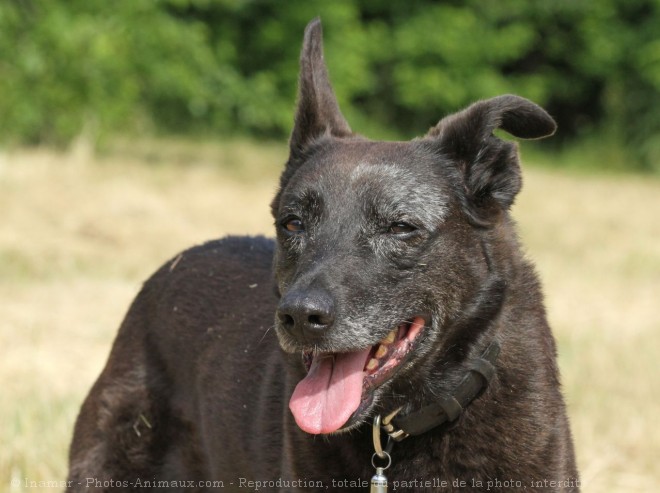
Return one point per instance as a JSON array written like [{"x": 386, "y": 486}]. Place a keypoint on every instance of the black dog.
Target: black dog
[{"x": 401, "y": 292}]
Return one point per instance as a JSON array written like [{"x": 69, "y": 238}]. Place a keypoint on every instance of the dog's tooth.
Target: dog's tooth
[
  {"x": 380, "y": 352},
  {"x": 372, "y": 365},
  {"x": 389, "y": 338}
]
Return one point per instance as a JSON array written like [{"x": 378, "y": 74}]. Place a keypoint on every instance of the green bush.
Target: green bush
[{"x": 230, "y": 66}]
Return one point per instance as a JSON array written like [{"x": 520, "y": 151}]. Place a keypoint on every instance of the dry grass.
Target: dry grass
[
  {"x": 596, "y": 242},
  {"x": 79, "y": 235}
]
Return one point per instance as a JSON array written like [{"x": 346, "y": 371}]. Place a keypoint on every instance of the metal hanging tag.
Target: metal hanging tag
[{"x": 379, "y": 481}]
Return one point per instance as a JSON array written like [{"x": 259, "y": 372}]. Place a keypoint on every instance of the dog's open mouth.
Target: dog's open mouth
[{"x": 338, "y": 385}]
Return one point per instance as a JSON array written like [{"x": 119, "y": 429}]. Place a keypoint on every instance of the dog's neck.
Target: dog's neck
[
  {"x": 472, "y": 366},
  {"x": 445, "y": 409}
]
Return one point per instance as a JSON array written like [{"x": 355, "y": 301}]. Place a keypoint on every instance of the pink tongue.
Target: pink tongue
[{"x": 330, "y": 393}]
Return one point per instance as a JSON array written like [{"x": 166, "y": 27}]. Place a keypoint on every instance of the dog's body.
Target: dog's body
[{"x": 396, "y": 265}]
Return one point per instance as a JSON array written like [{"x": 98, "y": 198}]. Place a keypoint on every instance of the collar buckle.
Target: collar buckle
[{"x": 395, "y": 434}]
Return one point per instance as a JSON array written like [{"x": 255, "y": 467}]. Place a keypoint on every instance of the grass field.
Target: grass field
[{"x": 78, "y": 234}]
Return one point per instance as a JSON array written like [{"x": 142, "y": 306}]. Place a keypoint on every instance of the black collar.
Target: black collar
[{"x": 449, "y": 408}]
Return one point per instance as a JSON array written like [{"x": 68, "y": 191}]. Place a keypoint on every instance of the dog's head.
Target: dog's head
[{"x": 383, "y": 246}]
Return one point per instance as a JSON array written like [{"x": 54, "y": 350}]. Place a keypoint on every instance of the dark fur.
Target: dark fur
[{"x": 197, "y": 387}]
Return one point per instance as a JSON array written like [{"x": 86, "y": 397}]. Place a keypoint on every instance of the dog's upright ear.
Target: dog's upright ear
[
  {"x": 317, "y": 112},
  {"x": 487, "y": 166}
]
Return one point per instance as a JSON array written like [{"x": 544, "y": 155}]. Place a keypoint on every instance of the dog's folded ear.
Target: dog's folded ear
[
  {"x": 488, "y": 168},
  {"x": 317, "y": 111}
]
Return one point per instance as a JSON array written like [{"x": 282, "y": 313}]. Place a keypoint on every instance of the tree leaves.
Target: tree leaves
[{"x": 222, "y": 67}]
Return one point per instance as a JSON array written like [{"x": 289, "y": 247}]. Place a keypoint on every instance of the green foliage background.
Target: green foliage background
[{"x": 222, "y": 67}]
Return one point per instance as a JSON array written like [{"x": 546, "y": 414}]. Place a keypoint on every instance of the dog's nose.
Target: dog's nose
[{"x": 306, "y": 315}]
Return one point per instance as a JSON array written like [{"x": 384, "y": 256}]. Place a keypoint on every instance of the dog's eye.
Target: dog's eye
[
  {"x": 401, "y": 228},
  {"x": 293, "y": 225}
]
